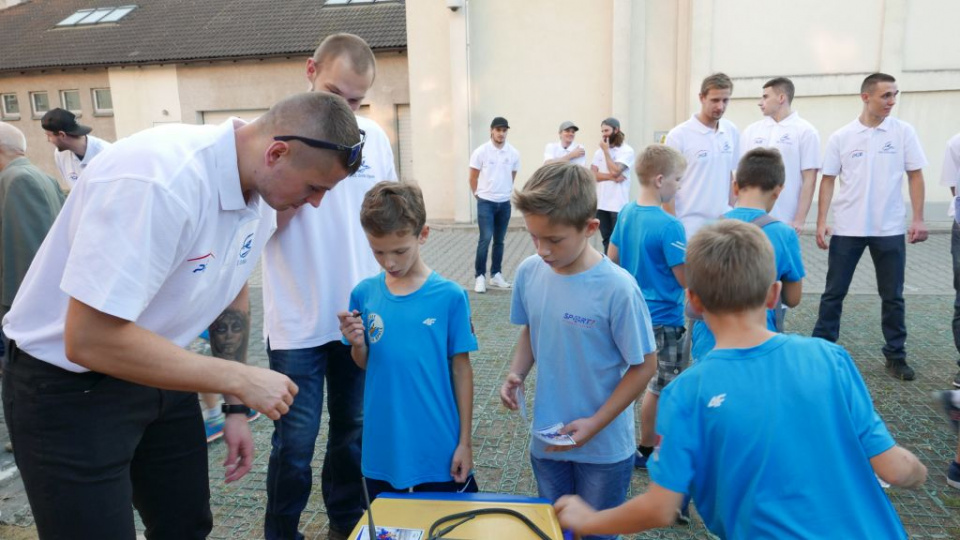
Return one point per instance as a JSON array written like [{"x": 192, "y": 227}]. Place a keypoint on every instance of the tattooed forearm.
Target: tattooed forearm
[{"x": 230, "y": 335}]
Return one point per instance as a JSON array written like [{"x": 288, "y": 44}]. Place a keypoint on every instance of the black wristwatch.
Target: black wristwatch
[{"x": 234, "y": 409}]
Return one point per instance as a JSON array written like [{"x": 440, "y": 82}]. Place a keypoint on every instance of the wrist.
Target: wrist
[
  {"x": 231, "y": 409},
  {"x": 521, "y": 376}
]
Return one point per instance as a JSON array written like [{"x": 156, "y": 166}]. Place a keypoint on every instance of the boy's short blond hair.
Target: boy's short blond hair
[
  {"x": 564, "y": 192},
  {"x": 658, "y": 159},
  {"x": 393, "y": 207},
  {"x": 730, "y": 266}
]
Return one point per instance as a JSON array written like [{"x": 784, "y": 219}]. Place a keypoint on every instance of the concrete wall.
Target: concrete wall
[
  {"x": 144, "y": 97},
  {"x": 39, "y": 150}
]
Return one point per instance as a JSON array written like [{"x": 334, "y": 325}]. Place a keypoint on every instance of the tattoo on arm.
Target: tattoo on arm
[{"x": 230, "y": 335}]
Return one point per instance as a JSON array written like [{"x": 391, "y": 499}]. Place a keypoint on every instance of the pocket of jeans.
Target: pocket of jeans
[{"x": 66, "y": 385}]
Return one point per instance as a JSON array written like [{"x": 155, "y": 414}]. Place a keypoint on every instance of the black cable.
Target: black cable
[{"x": 431, "y": 535}]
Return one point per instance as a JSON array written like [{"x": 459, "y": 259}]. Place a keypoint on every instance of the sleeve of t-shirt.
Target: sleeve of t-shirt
[
  {"x": 617, "y": 235},
  {"x": 518, "y": 312},
  {"x": 951, "y": 164},
  {"x": 674, "y": 243},
  {"x": 673, "y": 140},
  {"x": 598, "y": 160},
  {"x": 460, "y": 336},
  {"x": 625, "y": 159},
  {"x": 516, "y": 161},
  {"x": 913, "y": 157},
  {"x": 831, "y": 157},
  {"x": 386, "y": 160},
  {"x": 678, "y": 425},
  {"x": 872, "y": 432},
  {"x": 127, "y": 242},
  {"x": 630, "y": 323},
  {"x": 789, "y": 260},
  {"x": 809, "y": 149},
  {"x": 547, "y": 153},
  {"x": 476, "y": 160}
]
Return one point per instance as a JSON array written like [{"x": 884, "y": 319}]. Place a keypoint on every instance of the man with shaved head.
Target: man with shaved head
[
  {"x": 311, "y": 264},
  {"x": 155, "y": 244}
]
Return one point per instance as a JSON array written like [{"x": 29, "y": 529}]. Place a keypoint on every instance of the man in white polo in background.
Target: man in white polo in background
[
  {"x": 75, "y": 147},
  {"x": 310, "y": 266},
  {"x": 870, "y": 156},
  {"x": 566, "y": 150},
  {"x": 799, "y": 144},
  {"x": 493, "y": 168},
  {"x": 710, "y": 143}
]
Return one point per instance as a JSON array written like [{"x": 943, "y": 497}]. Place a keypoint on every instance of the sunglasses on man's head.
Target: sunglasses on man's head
[{"x": 355, "y": 150}]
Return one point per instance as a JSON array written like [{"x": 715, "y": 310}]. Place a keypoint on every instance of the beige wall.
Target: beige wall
[
  {"x": 39, "y": 150},
  {"x": 144, "y": 97}
]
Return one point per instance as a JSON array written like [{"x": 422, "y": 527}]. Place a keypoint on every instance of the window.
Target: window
[
  {"x": 70, "y": 100},
  {"x": 10, "y": 107},
  {"x": 101, "y": 15},
  {"x": 40, "y": 103},
  {"x": 102, "y": 101}
]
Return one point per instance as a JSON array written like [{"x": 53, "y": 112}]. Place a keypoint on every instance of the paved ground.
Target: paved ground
[{"x": 500, "y": 439}]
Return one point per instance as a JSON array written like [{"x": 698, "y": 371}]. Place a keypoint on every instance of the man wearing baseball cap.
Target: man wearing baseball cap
[
  {"x": 566, "y": 150},
  {"x": 75, "y": 147},
  {"x": 493, "y": 168}
]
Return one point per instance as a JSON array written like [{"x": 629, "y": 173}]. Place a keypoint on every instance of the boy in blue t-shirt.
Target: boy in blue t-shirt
[
  {"x": 651, "y": 244},
  {"x": 760, "y": 177},
  {"x": 773, "y": 436},
  {"x": 587, "y": 327},
  {"x": 410, "y": 330}
]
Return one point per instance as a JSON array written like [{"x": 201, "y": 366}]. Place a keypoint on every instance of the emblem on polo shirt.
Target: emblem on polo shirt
[
  {"x": 856, "y": 154},
  {"x": 702, "y": 154},
  {"x": 201, "y": 262},
  {"x": 726, "y": 148},
  {"x": 888, "y": 148},
  {"x": 759, "y": 140},
  {"x": 375, "y": 327},
  {"x": 245, "y": 249},
  {"x": 785, "y": 139}
]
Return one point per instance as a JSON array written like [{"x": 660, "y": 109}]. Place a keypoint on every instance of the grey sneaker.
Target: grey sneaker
[
  {"x": 498, "y": 281},
  {"x": 956, "y": 380},
  {"x": 481, "y": 285}
]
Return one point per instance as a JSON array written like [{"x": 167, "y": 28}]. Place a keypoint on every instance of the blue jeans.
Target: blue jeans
[
  {"x": 602, "y": 485},
  {"x": 289, "y": 475},
  {"x": 492, "y": 218},
  {"x": 889, "y": 254}
]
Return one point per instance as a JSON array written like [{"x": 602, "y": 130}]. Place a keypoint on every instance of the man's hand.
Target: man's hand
[
  {"x": 267, "y": 391},
  {"x": 917, "y": 232},
  {"x": 508, "y": 391},
  {"x": 462, "y": 463},
  {"x": 579, "y": 152},
  {"x": 822, "y": 233},
  {"x": 573, "y": 513},
  {"x": 581, "y": 429},
  {"x": 604, "y": 145},
  {"x": 239, "y": 461},
  {"x": 351, "y": 326}
]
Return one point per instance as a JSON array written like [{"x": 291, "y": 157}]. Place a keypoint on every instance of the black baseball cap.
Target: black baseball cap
[
  {"x": 499, "y": 122},
  {"x": 57, "y": 120}
]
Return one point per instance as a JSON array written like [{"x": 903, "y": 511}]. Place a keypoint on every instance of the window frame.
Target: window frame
[
  {"x": 78, "y": 112},
  {"x": 33, "y": 103},
  {"x": 97, "y": 109},
  {"x": 4, "y": 113}
]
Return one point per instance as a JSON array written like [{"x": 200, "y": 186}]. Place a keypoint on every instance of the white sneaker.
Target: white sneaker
[
  {"x": 498, "y": 281},
  {"x": 481, "y": 285}
]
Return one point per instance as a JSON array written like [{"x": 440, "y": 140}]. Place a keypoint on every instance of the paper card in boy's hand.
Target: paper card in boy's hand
[
  {"x": 552, "y": 435},
  {"x": 522, "y": 403},
  {"x": 391, "y": 533}
]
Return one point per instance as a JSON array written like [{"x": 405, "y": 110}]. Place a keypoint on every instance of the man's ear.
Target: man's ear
[{"x": 277, "y": 151}]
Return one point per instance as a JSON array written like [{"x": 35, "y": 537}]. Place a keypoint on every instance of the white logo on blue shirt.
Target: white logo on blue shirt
[
  {"x": 429, "y": 322},
  {"x": 716, "y": 401},
  {"x": 679, "y": 245},
  {"x": 374, "y": 327}
]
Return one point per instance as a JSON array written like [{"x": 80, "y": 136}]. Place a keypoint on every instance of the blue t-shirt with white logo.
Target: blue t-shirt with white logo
[
  {"x": 651, "y": 242},
  {"x": 789, "y": 261},
  {"x": 586, "y": 329},
  {"x": 775, "y": 441},
  {"x": 411, "y": 425}
]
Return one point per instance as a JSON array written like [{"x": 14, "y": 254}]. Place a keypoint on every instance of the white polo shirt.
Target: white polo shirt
[
  {"x": 870, "y": 164},
  {"x": 611, "y": 195},
  {"x": 712, "y": 155},
  {"x": 950, "y": 174},
  {"x": 157, "y": 233},
  {"x": 496, "y": 166},
  {"x": 556, "y": 150},
  {"x": 70, "y": 166},
  {"x": 799, "y": 144},
  {"x": 314, "y": 261}
]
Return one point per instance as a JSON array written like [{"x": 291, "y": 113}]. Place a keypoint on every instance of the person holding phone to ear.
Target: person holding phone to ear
[{"x": 611, "y": 169}]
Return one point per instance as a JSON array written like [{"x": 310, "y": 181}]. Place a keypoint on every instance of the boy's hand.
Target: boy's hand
[
  {"x": 581, "y": 429},
  {"x": 351, "y": 326},
  {"x": 508, "y": 391},
  {"x": 462, "y": 463},
  {"x": 573, "y": 513}
]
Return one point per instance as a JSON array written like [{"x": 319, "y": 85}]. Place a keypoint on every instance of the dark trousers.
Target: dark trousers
[
  {"x": 88, "y": 445},
  {"x": 955, "y": 252},
  {"x": 492, "y": 219},
  {"x": 289, "y": 471},
  {"x": 376, "y": 487},
  {"x": 889, "y": 256},
  {"x": 608, "y": 220}
]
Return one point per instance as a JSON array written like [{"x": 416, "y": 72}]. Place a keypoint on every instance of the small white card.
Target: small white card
[
  {"x": 522, "y": 403},
  {"x": 391, "y": 533},
  {"x": 551, "y": 435}
]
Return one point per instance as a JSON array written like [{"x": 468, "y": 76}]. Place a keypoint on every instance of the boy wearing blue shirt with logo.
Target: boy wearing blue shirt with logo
[
  {"x": 760, "y": 178},
  {"x": 587, "y": 327},
  {"x": 410, "y": 329},
  {"x": 773, "y": 436},
  {"x": 651, "y": 244}
]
